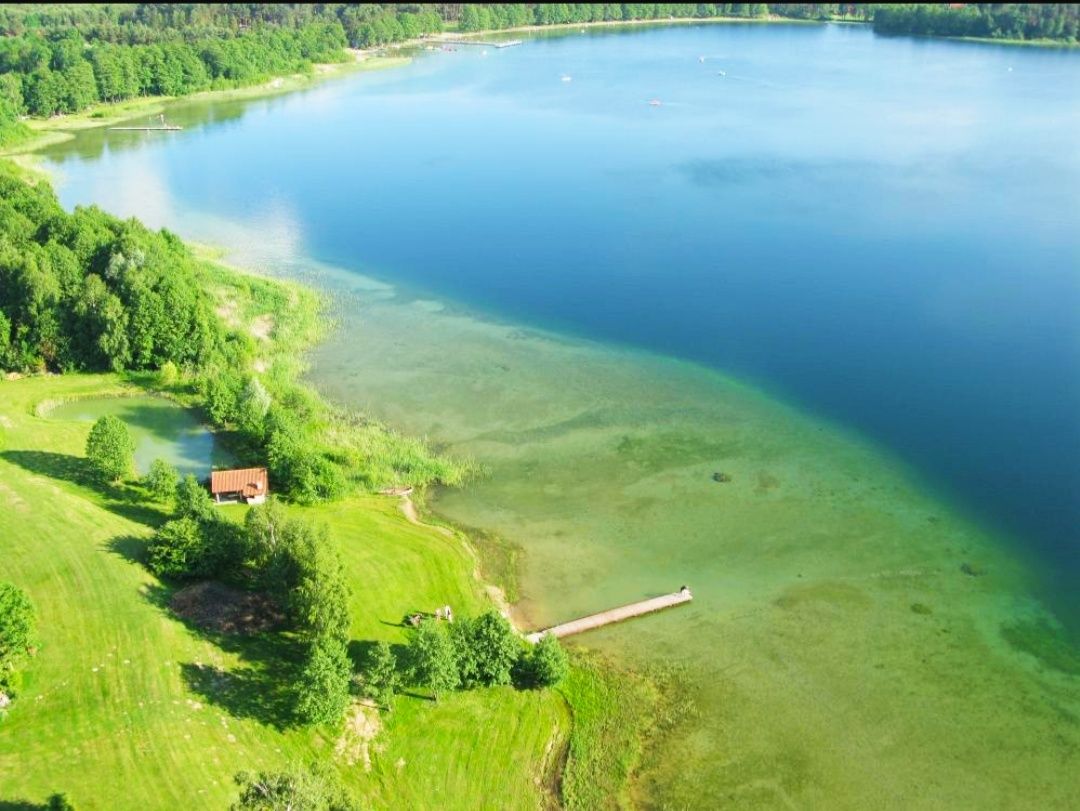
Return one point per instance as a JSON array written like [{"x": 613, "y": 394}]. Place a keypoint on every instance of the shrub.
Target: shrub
[
  {"x": 312, "y": 789},
  {"x": 167, "y": 375},
  {"x": 178, "y": 549},
  {"x": 547, "y": 664},
  {"x": 252, "y": 409},
  {"x": 161, "y": 480}
]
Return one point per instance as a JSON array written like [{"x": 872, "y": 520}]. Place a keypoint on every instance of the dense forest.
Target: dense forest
[
  {"x": 87, "y": 291},
  {"x": 1018, "y": 21},
  {"x": 1026, "y": 21},
  {"x": 64, "y": 58}
]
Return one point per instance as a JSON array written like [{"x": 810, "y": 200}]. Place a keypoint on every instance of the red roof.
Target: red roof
[{"x": 249, "y": 482}]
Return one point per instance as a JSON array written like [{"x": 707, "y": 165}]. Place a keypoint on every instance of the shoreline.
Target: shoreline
[
  {"x": 62, "y": 128},
  {"x": 260, "y": 275},
  {"x": 765, "y": 20}
]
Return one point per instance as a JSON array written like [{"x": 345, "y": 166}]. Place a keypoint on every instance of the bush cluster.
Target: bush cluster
[
  {"x": 287, "y": 558},
  {"x": 481, "y": 651}
]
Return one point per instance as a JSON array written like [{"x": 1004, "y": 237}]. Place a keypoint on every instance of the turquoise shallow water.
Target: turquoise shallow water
[{"x": 878, "y": 235}]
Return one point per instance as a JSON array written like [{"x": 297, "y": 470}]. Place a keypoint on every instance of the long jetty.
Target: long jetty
[
  {"x": 509, "y": 43},
  {"x": 612, "y": 615},
  {"x": 169, "y": 128}
]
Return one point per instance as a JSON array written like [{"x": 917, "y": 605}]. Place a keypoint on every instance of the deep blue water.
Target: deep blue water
[{"x": 884, "y": 231}]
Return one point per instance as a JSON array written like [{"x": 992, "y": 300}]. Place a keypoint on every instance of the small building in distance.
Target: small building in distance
[{"x": 250, "y": 485}]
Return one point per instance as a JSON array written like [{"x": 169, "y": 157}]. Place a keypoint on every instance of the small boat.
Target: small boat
[
  {"x": 701, "y": 59},
  {"x": 721, "y": 73},
  {"x": 566, "y": 77},
  {"x": 654, "y": 102}
]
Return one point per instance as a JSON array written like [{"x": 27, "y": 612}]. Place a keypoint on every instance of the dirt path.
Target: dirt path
[{"x": 497, "y": 595}]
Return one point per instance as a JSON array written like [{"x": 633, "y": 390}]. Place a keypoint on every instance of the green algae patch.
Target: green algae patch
[
  {"x": 818, "y": 678},
  {"x": 1046, "y": 642}
]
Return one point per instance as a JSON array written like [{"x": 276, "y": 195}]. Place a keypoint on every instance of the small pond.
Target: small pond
[{"x": 160, "y": 429}]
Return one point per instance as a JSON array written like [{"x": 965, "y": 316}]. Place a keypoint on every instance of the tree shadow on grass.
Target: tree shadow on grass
[
  {"x": 21, "y": 805},
  {"x": 361, "y": 651},
  {"x": 127, "y": 502},
  {"x": 129, "y": 547},
  {"x": 260, "y": 687}
]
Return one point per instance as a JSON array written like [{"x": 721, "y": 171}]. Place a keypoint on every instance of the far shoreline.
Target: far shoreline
[{"x": 60, "y": 128}]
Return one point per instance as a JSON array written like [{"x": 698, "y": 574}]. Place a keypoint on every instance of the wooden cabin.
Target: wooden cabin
[{"x": 249, "y": 485}]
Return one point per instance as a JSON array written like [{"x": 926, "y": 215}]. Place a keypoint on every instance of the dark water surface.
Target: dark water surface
[{"x": 882, "y": 233}]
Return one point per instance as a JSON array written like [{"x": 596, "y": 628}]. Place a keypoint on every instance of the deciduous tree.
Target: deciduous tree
[
  {"x": 432, "y": 660},
  {"x": 178, "y": 549},
  {"x": 110, "y": 448},
  {"x": 546, "y": 664},
  {"x": 323, "y": 685},
  {"x": 161, "y": 480},
  {"x": 379, "y": 676},
  {"x": 192, "y": 500},
  {"x": 18, "y": 635}
]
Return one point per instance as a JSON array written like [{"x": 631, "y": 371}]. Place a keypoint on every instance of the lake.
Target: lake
[{"x": 842, "y": 269}]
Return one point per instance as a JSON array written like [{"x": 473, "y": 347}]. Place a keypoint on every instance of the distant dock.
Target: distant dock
[
  {"x": 168, "y": 128},
  {"x": 510, "y": 43},
  {"x": 613, "y": 615}
]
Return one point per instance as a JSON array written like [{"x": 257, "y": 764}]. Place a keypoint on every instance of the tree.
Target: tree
[
  {"x": 265, "y": 528},
  {"x": 59, "y": 802},
  {"x": 432, "y": 660},
  {"x": 319, "y": 596},
  {"x": 486, "y": 649},
  {"x": 177, "y": 549},
  {"x": 323, "y": 685},
  {"x": 252, "y": 408},
  {"x": 17, "y": 627},
  {"x": 110, "y": 448},
  {"x": 161, "y": 480},
  {"x": 192, "y": 500},
  {"x": 379, "y": 676},
  {"x": 299, "y": 789},
  {"x": 546, "y": 664}
]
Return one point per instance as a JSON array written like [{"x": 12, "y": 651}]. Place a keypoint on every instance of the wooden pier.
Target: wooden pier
[
  {"x": 169, "y": 128},
  {"x": 612, "y": 615},
  {"x": 510, "y": 43}
]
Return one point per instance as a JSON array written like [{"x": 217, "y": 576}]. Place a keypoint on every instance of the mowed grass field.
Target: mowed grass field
[{"x": 126, "y": 707}]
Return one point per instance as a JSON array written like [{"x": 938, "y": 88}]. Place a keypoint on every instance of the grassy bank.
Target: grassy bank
[
  {"x": 126, "y": 706},
  {"x": 115, "y": 711}
]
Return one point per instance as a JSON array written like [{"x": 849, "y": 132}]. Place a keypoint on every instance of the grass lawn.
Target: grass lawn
[{"x": 124, "y": 706}]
